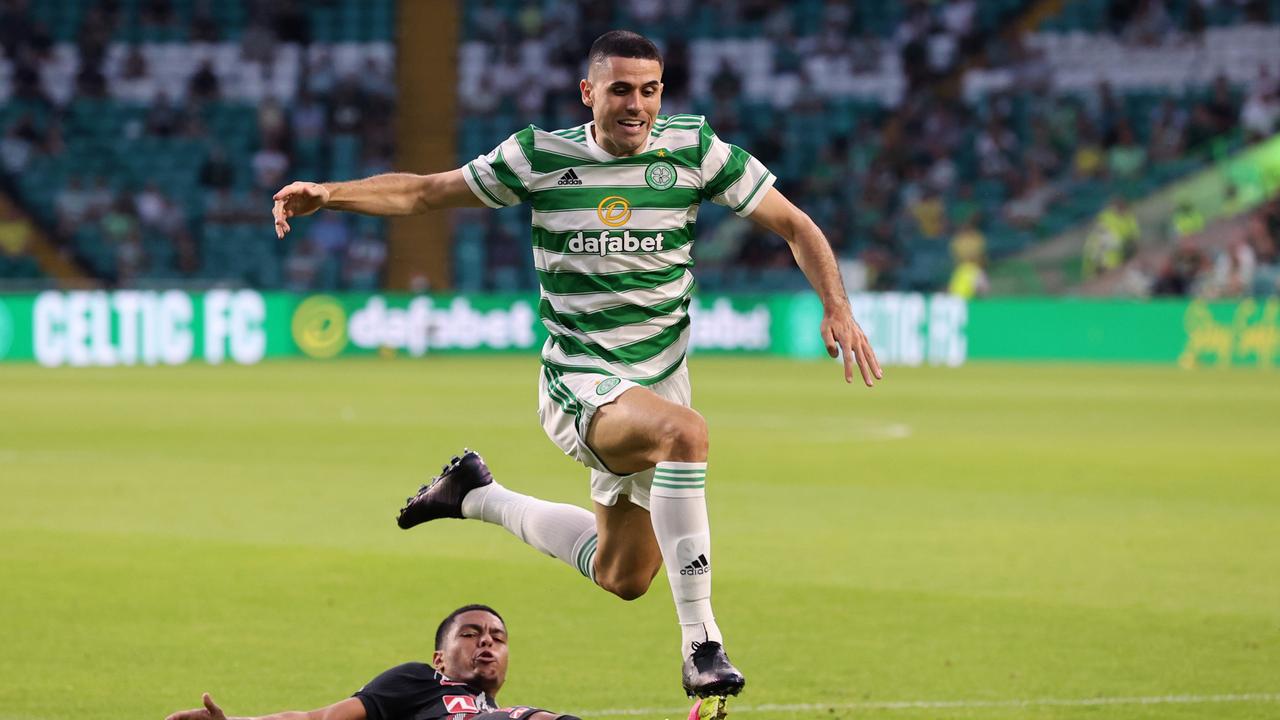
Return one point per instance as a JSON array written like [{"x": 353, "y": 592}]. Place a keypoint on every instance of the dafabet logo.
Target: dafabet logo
[{"x": 614, "y": 211}]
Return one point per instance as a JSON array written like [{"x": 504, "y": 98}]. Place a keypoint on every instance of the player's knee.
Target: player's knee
[
  {"x": 626, "y": 586},
  {"x": 685, "y": 436}
]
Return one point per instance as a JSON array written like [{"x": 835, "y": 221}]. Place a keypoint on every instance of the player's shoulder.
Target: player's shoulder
[
  {"x": 684, "y": 130},
  {"x": 576, "y": 135},
  {"x": 680, "y": 120},
  {"x": 418, "y": 671},
  {"x": 679, "y": 124}
]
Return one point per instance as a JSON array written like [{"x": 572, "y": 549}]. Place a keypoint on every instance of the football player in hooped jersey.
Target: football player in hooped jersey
[
  {"x": 467, "y": 669},
  {"x": 614, "y": 202}
]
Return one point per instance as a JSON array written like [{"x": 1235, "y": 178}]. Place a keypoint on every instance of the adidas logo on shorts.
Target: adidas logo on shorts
[
  {"x": 569, "y": 178},
  {"x": 701, "y": 566}
]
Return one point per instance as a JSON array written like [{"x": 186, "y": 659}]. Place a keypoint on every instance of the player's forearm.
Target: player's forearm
[
  {"x": 389, "y": 194},
  {"x": 814, "y": 256}
]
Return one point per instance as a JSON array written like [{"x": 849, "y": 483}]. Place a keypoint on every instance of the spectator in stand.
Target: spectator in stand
[
  {"x": 164, "y": 119},
  {"x": 1232, "y": 273},
  {"x": 204, "y": 84},
  {"x": 133, "y": 82},
  {"x": 130, "y": 255},
  {"x": 1223, "y": 108},
  {"x": 1028, "y": 207},
  {"x": 969, "y": 280},
  {"x": 302, "y": 266},
  {"x": 20, "y": 142},
  {"x": 997, "y": 146},
  {"x": 1168, "y": 132},
  {"x": 1089, "y": 158},
  {"x": 309, "y": 118},
  {"x": 1261, "y": 112},
  {"x": 1178, "y": 274},
  {"x": 1127, "y": 158},
  {"x": 158, "y": 15},
  {"x": 330, "y": 234},
  {"x": 100, "y": 198},
  {"x": 270, "y": 164},
  {"x": 257, "y": 42},
  {"x": 363, "y": 267},
  {"x": 217, "y": 172},
  {"x": 1150, "y": 25},
  {"x": 1186, "y": 220},
  {"x": 1112, "y": 239},
  {"x": 272, "y": 122},
  {"x": 150, "y": 206},
  {"x": 71, "y": 205}
]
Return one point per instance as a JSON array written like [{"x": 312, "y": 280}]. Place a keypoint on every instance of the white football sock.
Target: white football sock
[
  {"x": 678, "y": 509},
  {"x": 565, "y": 532}
]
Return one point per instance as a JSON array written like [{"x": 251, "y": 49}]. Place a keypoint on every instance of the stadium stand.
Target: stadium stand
[
  {"x": 851, "y": 106},
  {"x": 143, "y": 135},
  {"x": 117, "y": 116}
]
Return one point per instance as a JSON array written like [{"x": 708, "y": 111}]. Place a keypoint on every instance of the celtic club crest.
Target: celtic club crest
[{"x": 660, "y": 175}]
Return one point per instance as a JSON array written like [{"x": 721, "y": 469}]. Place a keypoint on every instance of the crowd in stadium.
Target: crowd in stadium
[
  {"x": 154, "y": 161},
  {"x": 905, "y": 181},
  {"x": 926, "y": 138}
]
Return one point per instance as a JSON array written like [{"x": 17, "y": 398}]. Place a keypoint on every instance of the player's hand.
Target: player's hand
[
  {"x": 844, "y": 338},
  {"x": 295, "y": 200},
  {"x": 210, "y": 711}
]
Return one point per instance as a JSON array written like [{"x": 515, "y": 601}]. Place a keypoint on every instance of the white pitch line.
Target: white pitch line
[{"x": 946, "y": 704}]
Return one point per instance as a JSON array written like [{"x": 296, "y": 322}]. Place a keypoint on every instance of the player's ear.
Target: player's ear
[
  {"x": 437, "y": 660},
  {"x": 585, "y": 88}
]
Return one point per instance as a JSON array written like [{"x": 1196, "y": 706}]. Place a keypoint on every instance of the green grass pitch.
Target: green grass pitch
[{"x": 971, "y": 538}]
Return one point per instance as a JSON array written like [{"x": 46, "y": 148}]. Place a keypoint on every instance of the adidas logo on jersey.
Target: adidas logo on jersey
[
  {"x": 604, "y": 243},
  {"x": 569, "y": 178},
  {"x": 700, "y": 566}
]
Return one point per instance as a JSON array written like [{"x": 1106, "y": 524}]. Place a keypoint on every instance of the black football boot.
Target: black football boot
[
  {"x": 708, "y": 672},
  {"x": 442, "y": 497}
]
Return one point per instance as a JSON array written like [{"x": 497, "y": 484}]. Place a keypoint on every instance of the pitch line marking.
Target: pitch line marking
[{"x": 952, "y": 704}]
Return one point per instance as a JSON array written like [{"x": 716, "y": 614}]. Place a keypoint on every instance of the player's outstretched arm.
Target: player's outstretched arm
[
  {"x": 349, "y": 709},
  {"x": 840, "y": 332},
  {"x": 389, "y": 194}
]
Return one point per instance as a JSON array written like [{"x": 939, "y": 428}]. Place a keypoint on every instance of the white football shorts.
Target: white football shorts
[{"x": 567, "y": 402}]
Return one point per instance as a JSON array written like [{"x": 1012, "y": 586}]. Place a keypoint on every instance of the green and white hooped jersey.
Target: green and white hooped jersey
[{"x": 612, "y": 236}]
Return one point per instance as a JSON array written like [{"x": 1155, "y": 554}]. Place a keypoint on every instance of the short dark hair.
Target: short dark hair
[
  {"x": 448, "y": 621},
  {"x": 623, "y": 43}
]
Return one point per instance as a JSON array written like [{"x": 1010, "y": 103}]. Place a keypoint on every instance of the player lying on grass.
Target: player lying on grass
[
  {"x": 467, "y": 669},
  {"x": 614, "y": 203}
]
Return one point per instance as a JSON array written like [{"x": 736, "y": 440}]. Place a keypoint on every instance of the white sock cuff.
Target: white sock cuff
[
  {"x": 584, "y": 553},
  {"x": 679, "y": 480},
  {"x": 672, "y": 465}
]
